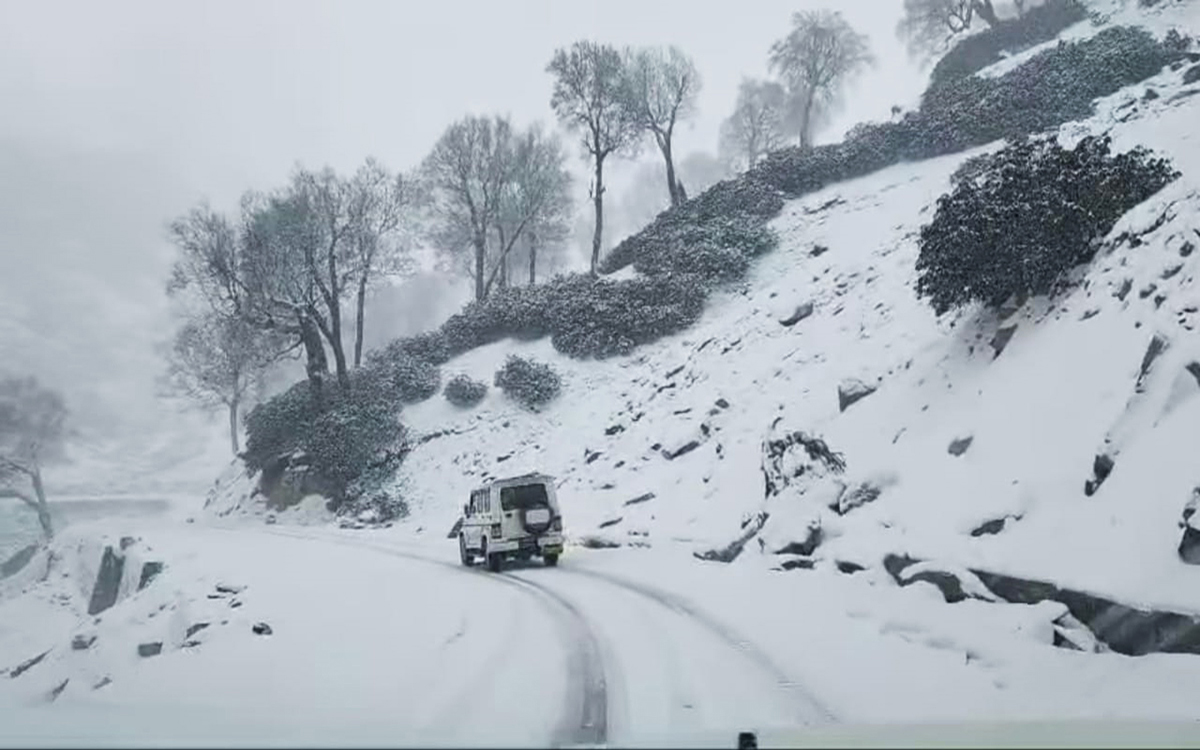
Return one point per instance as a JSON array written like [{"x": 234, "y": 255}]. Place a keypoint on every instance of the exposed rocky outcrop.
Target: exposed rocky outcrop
[
  {"x": 853, "y": 390},
  {"x": 730, "y": 552},
  {"x": 801, "y": 312},
  {"x": 108, "y": 581},
  {"x": 959, "y": 446}
]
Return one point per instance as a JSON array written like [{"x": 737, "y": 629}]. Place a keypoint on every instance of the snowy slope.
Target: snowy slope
[{"x": 1038, "y": 414}]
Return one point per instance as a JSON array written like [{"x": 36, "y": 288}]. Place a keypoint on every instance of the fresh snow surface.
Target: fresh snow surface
[{"x": 380, "y": 637}]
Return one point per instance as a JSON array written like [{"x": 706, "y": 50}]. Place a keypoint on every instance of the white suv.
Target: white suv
[{"x": 512, "y": 518}]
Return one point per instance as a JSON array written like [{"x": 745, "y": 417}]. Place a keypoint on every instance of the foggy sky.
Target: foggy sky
[{"x": 118, "y": 115}]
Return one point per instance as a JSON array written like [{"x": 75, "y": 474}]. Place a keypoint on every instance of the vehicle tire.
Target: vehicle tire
[
  {"x": 493, "y": 560},
  {"x": 466, "y": 557},
  {"x": 551, "y": 560}
]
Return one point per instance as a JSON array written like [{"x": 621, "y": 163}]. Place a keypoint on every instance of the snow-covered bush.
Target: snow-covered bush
[
  {"x": 609, "y": 318},
  {"x": 464, "y": 392},
  {"x": 430, "y": 346},
  {"x": 731, "y": 215},
  {"x": 530, "y": 383},
  {"x": 1034, "y": 211},
  {"x": 519, "y": 312},
  {"x": 275, "y": 427},
  {"x": 976, "y": 52},
  {"x": 400, "y": 376}
]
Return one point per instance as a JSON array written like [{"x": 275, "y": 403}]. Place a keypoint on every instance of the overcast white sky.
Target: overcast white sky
[{"x": 118, "y": 114}]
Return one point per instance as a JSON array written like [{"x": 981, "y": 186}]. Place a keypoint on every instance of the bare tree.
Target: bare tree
[
  {"x": 928, "y": 25},
  {"x": 379, "y": 234},
  {"x": 219, "y": 361},
  {"x": 661, "y": 86},
  {"x": 756, "y": 126},
  {"x": 536, "y": 199},
  {"x": 816, "y": 61},
  {"x": 32, "y": 433},
  {"x": 589, "y": 82},
  {"x": 466, "y": 174}
]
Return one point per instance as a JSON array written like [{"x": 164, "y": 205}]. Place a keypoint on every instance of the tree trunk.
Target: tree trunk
[
  {"x": 806, "y": 119},
  {"x": 480, "y": 265},
  {"x": 233, "y": 427},
  {"x": 598, "y": 203},
  {"x": 532, "y": 258},
  {"x": 335, "y": 343},
  {"x": 986, "y": 11},
  {"x": 43, "y": 510},
  {"x": 360, "y": 305},
  {"x": 316, "y": 365},
  {"x": 672, "y": 183}
]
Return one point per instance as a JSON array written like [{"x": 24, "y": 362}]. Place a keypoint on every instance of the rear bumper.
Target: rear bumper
[{"x": 547, "y": 543}]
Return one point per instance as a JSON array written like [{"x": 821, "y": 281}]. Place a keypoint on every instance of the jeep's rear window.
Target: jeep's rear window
[{"x": 523, "y": 497}]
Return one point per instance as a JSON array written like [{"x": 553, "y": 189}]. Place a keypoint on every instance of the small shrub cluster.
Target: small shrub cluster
[
  {"x": 464, "y": 392},
  {"x": 397, "y": 375},
  {"x": 1033, "y": 211},
  {"x": 976, "y": 52},
  {"x": 532, "y": 384}
]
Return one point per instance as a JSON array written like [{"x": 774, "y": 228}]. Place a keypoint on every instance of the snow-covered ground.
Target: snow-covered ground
[{"x": 380, "y": 637}]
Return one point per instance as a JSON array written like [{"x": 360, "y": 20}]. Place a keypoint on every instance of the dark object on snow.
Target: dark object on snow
[
  {"x": 108, "y": 582},
  {"x": 591, "y": 456},
  {"x": 82, "y": 642},
  {"x": 150, "y": 571},
  {"x": 261, "y": 628},
  {"x": 613, "y": 430},
  {"x": 1192, "y": 74},
  {"x": 730, "y": 552},
  {"x": 848, "y": 500},
  {"x": 57, "y": 691},
  {"x": 1150, "y": 95},
  {"x": 807, "y": 547},
  {"x": 798, "y": 563},
  {"x": 1189, "y": 546},
  {"x": 104, "y": 681},
  {"x": 595, "y": 542},
  {"x": 14, "y": 564},
  {"x": 994, "y": 526},
  {"x": 149, "y": 649},
  {"x": 747, "y": 741},
  {"x": 610, "y": 522},
  {"x": 225, "y": 588},
  {"x": 687, "y": 447},
  {"x": 1126, "y": 288},
  {"x": 1154, "y": 350},
  {"x": 457, "y": 527},
  {"x": 722, "y": 403},
  {"x": 195, "y": 628},
  {"x": 1001, "y": 339},
  {"x": 851, "y": 391},
  {"x": 818, "y": 251},
  {"x": 849, "y": 568},
  {"x": 640, "y": 499},
  {"x": 27, "y": 665},
  {"x": 800, "y": 313},
  {"x": 464, "y": 392},
  {"x": 1102, "y": 466},
  {"x": 959, "y": 446},
  {"x": 1186, "y": 249}
]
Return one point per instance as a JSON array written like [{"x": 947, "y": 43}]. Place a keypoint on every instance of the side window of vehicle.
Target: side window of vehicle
[{"x": 474, "y": 508}]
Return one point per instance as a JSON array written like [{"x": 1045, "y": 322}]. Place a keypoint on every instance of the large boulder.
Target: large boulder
[
  {"x": 288, "y": 479},
  {"x": 108, "y": 581},
  {"x": 18, "y": 561},
  {"x": 853, "y": 390}
]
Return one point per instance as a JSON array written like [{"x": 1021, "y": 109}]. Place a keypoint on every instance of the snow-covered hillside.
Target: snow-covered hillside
[{"x": 1062, "y": 392}]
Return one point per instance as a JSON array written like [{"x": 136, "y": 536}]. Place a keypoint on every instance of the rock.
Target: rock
[
  {"x": 730, "y": 552},
  {"x": 261, "y": 628},
  {"x": 798, "y": 563},
  {"x": 1193, "y": 369},
  {"x": 591, "y": 456},
  {"x": 104, "y": 681},
  {"x": 851, "y": 391},
  {"x": 82, "y": 642},
  {"x": 226, "y": 588},
  {"x": 818, "y": 251},
  {"x": 1154, "y": 350},
  {"x": 195, "y": 628},
  {"x": 800, "y": 313},
  {"x": 1124, "y": 290},
  {"x": 722, "y": 403},
  {"x": 1150, "y": 95},
  {"x": 1171, "y": 271},
  {"x": 794, "y": 455},
  {"x": 959, "y": 446},
  {"x": 946, "y": 582},
  {"x": 58, "y": 689},
  {"x": 595, "y": 542},
  {"x": 808, "y": 546},
  {"x": 1186, "y": 249},
  {"x": 847, "y": 567},
  {"x": 150, "y": 571},
  {"x": 127, "y": 542},
  {"x": 851, "y": 499},
  {"x": 610, "y": 522},
  {"x": 994, "y": 526},
  {"x": 1000, "y": 341},
  {"x": 271, "y": 520},
  {"x": 1147, "y": 291},
  {"x": 28, "y": 664},
  {"x": 1102, "y": 466},
  {"x": 613, "y": 430},
  {"x": 640, "y": 499},
  {"x": 1192, "y": 74},
  {"x": 1070, "y": 633},
  {"x": 146, "y": 650},
  {"x": 1189, "y": 545},
  {"x": 688, "y": 447},
  {"x": 17, "y": 562},
  {"x": 108, "y": 582}
]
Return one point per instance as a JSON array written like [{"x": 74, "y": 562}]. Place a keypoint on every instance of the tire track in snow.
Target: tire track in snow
[
  {"x": 584, "y": 718},
  {"x": 813, "y": 711}
]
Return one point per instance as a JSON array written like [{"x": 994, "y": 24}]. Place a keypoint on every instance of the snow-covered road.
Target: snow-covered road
[{"x": 639, "y": 662}]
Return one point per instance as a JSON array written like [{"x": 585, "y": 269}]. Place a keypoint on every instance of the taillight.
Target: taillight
[
  {"x": 556, "y": 524},
  {"x": 496, "y": 530}
]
